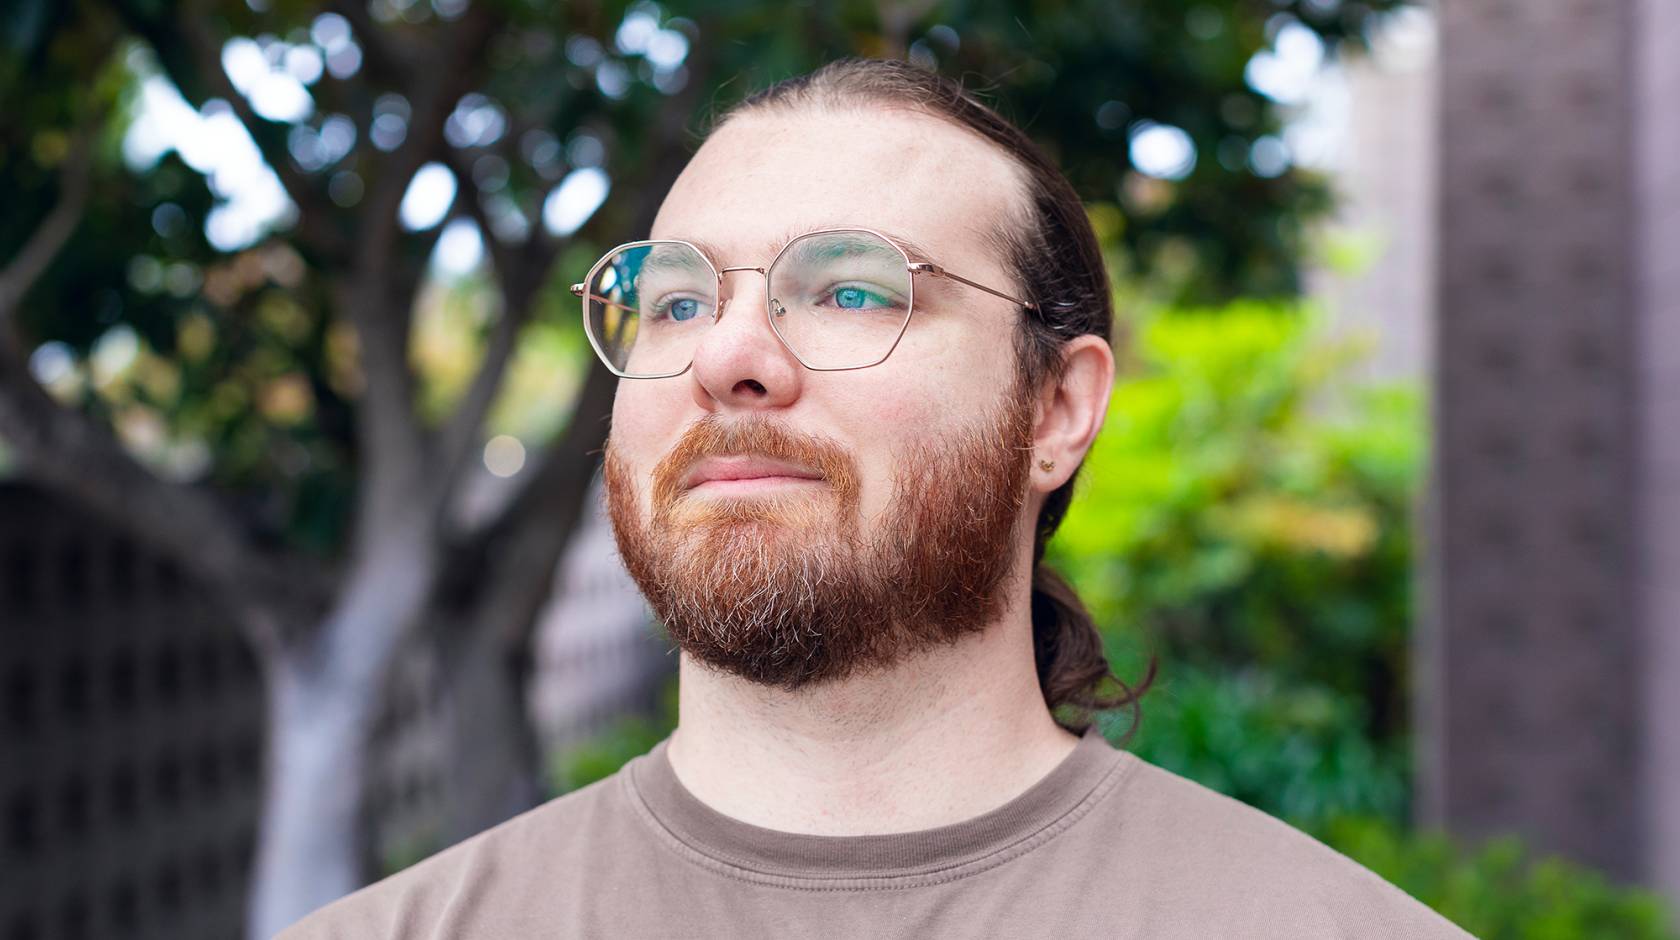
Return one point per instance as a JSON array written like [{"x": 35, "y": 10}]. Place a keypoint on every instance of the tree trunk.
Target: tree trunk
[
  {"x": 323, "y": 696},
  {"x": 308, "y": 849},
  {"x": 494, "y": 771}
]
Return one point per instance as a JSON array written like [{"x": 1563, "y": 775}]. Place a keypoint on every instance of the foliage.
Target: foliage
[
  {"x": 1500, "y": 891},
  {"x": 1299, "y": 753},
  {"x": 602, "y": 754},
  {"x": 410, "y": 849},
  {"x": 1244, "y": 506}
]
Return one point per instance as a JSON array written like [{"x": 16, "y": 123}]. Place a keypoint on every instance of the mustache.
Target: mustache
[{"x": 754, "y": 436}]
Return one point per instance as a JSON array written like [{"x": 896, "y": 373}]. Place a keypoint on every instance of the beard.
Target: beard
[{"x": 787, "y": 589}]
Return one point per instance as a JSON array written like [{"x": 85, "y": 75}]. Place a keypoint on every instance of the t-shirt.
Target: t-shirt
[{"x": 1105, "y": 845}]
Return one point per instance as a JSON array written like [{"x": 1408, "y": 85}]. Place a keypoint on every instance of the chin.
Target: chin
[{"x": 764, "y": 511}]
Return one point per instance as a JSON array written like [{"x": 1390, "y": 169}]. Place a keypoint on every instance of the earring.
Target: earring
[{"x": 1047, "y": 465}]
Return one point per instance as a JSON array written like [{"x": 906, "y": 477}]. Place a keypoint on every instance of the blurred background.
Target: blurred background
[{"x": 302, "y": 576}]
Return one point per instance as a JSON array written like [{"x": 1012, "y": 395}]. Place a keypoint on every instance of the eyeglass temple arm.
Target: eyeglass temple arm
[
  {"x": 924, "y": 267},
  {"x": 579, "y": 290}
]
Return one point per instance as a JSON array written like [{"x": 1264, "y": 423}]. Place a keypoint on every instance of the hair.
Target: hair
[{"x": 1052, "y": 253}]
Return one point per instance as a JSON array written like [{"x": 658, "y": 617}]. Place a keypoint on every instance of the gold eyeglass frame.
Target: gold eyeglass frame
[{"x": 914, "y": 267}]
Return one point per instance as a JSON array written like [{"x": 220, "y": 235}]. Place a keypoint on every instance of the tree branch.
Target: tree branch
[
  {"x": 390, "y": 439},
  {"x": 72, "y": 453},
  {"x": 522, "y": 548},
  {"x": 381, "y": 51},
  {"x": 456, "y": 68},
  {"x": 379, "y": 300},
  {"x": 897, "y": 18},
  {"x": 465, "y": 423},
  {"x": 521, "y": 272},
  {"x": 313, "y": 209},
  {"x": 48, "y": 239},
  {"x": 505, "y": 259}
]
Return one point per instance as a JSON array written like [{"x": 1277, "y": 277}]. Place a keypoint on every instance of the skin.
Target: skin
[{"x": 939, "y": 737}]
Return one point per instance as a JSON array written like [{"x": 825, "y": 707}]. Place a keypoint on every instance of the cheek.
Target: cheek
[
  {"x": 900, "y": 418},
  {"x": 644, "y": 427},
  {"x": 881, "y": 421}
]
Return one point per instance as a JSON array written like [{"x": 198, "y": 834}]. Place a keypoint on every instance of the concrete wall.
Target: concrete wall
[
  {"x": 1657, "y": 292},
  {"x": 1549, "y": 654}
]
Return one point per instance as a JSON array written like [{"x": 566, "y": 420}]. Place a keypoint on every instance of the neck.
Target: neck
[{"x": 936, "y": 739}]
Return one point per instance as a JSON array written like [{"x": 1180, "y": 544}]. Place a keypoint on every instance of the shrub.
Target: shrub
[
  {"x": 602, "y": 754},
  {"x": 1501, "y": 891},
  {"x": 1246, "y": 506},
  {"x": 1297, "y": 752}
]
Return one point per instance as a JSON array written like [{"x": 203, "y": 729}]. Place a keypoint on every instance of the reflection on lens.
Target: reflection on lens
[
  {"x": 840, "y": 300},
  {"x": 647, "y": 303}
]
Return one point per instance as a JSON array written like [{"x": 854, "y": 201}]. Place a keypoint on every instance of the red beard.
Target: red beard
[{"x": 786, "y": 590}]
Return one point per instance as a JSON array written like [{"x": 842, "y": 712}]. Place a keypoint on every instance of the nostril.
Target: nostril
[{"x": 750, "y": 385}]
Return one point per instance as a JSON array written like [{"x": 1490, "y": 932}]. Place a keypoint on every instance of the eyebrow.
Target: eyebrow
[
  {"x": 670, "y": 260},
  {"x": 916, "y": 252}
]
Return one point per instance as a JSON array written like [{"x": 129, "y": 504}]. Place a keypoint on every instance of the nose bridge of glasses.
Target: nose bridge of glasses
[
  {"x": 741, "y": 333},
  {"x": 726, "y": 296}
]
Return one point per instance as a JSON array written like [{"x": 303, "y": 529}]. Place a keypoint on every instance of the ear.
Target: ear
[{"x": 1071, "y": 410}]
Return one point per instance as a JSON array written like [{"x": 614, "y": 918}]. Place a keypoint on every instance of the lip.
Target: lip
[{"x": 742, "y": 472}]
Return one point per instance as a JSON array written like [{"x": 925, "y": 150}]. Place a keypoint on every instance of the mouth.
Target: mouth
[{"x": 745, "y": 474}]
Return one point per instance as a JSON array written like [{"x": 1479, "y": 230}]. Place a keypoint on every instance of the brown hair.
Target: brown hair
[{"x": 1053, "y": 254}]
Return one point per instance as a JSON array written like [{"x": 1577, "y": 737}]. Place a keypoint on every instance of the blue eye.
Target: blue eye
[
  {"x": 856, "y": 298},
  {"x": 685, "y": 308}
]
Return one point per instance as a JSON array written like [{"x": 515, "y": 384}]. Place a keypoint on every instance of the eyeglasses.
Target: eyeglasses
[{"x": 838, "y": 299}]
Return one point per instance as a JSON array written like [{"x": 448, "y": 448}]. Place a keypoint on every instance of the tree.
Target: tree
[{"x": 311, "y": 477}]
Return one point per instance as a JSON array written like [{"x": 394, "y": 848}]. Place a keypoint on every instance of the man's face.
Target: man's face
[{"x": 792, "y": 526}]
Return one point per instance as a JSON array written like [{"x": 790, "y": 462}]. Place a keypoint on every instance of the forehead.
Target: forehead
[{"x": 764, "y": 177}]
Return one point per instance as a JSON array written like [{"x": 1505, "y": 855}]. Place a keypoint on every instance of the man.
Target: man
[{"x": 864, "y": 352}]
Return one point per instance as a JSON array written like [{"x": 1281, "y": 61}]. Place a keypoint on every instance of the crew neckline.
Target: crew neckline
[{"x": 743, "y": 850}]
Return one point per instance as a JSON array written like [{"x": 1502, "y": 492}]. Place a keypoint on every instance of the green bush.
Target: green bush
[
  {"x": 1297, "y": 752},
  {"x": 1245, "y": 505},
  {"x": 603, "y": 753},
  {"x": 1501, "y": 892}
]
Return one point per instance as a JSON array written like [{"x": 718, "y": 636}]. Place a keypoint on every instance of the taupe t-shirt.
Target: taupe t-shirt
[{"x": 1106, "y": 845}]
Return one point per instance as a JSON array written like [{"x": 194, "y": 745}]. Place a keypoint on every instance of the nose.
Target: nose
[{"x": 739, "y": 363}]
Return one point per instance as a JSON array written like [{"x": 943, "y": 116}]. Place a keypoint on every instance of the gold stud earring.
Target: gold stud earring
[{"x": 1047, "y": 465}]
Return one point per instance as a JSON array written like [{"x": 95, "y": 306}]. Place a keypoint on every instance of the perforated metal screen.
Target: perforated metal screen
[{"x": 131, "y": 750}]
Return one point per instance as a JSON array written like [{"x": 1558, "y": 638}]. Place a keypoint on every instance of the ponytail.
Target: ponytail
[{"x": 1073, "y": 670}]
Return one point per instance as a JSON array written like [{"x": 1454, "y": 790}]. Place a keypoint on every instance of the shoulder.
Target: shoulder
[
  {"x": 416, "y": 900},
  {"x": 1238, "y": 865}
]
